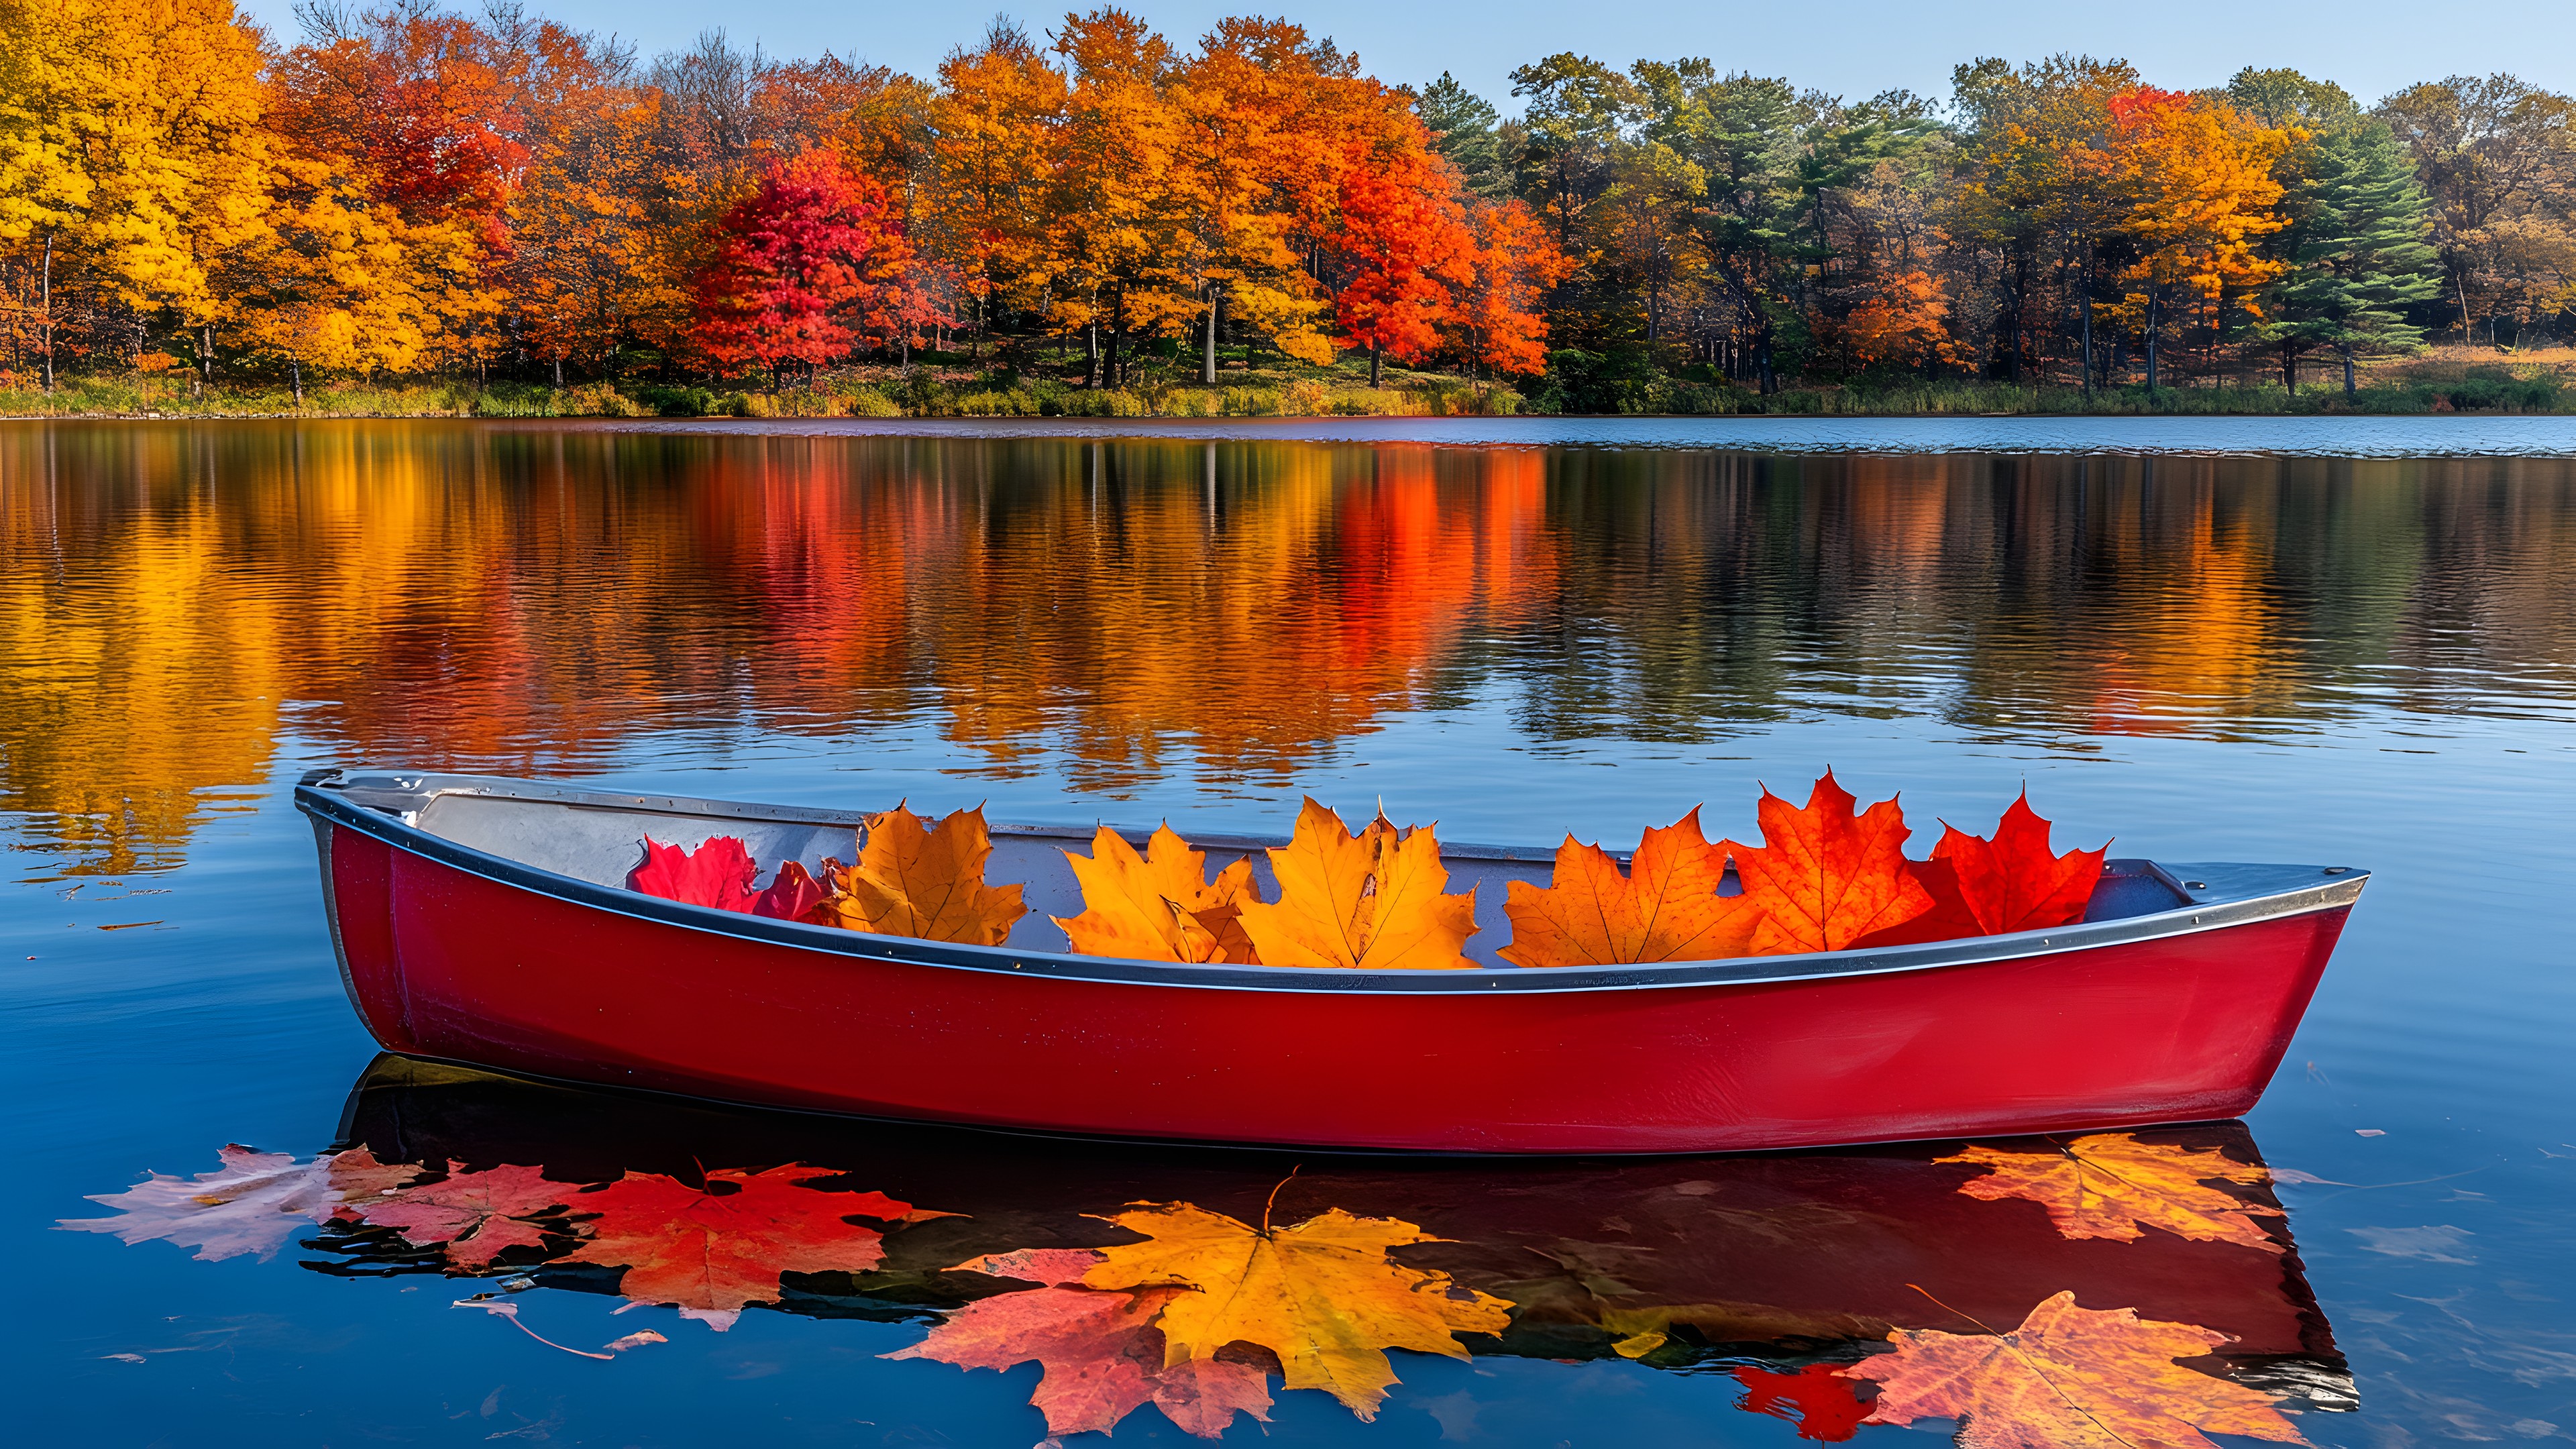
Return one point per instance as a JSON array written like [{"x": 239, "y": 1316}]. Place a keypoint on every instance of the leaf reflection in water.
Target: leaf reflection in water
[{"x": 1816, "y": 1280}]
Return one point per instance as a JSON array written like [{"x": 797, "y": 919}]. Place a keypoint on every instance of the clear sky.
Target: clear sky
[{"x": 1855, "y": 47}]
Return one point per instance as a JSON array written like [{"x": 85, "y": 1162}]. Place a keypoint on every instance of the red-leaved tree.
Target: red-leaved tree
[
  {"x": 1498, "y": 318},
  {"x": 1405, "y": 237},
  {"x": 796, "y": 263}
]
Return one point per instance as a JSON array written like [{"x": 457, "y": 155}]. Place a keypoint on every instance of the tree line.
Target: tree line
[{"x": 409, "y": 189}]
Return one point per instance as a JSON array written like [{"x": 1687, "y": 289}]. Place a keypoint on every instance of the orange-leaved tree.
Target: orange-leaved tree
[
  {"x": 2201, "y": 195},
  {"x": 792, "y": 266},
  {"x": 993, "y": 128},
  {"x": 1499, "y": 322},
  {"x": 1404, "y": 235}
]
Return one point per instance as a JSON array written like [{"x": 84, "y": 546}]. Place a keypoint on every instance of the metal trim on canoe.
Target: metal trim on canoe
[{"x": 383, "y": 806}]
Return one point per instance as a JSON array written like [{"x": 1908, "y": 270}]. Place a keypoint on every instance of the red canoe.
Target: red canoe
[{"x": 485, "y": 922}]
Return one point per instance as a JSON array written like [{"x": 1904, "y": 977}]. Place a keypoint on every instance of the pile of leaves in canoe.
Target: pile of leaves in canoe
[{"x": 1828, "y": 876}]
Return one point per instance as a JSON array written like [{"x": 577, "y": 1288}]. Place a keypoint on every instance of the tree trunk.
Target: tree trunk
[
  {"x": 46, "y": 301},
  {"x": 1091, "y": 355},
  {"x": 1118, "y": 343},
  {"x": 295, "y": 370},
  {"x": 1207, "y": 355},
  {"x": 2084, "y": 278},
  {"x": 1377, "y": 364},
  {"x": 2349, "y": 391},
  {"x": 2155, "y": 319},
  {"x": 2290, "y": 367},
  {"x": 205, "y": 357},
  {"x": 558, "y": 373}
]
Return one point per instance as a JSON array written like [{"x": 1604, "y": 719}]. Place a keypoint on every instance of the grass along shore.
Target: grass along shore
[{"x": 2454, "y": 379}]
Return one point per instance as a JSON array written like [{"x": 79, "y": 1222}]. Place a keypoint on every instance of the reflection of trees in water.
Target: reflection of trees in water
[{"x": 535, "y": 599}]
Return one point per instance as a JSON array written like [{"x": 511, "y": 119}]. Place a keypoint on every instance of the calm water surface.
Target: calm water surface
[{"x": 2203, "y": 655}]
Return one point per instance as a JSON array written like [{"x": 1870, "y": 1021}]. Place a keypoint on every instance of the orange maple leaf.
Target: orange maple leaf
[
  {"x": 911, "y": 881},
  {"x": 1371, "y": 901},
  {"x": 1825, "y": 876},
  {"x": 2014, "y": 882},
  {"x": 1159, "y": 906},
  {"x": 2069, "y": 1378},
  {"x": 715, "y": 1248},
  {"x": 2110, "y": 1184},
  {"x": 1325, "y": 1295},
  {"x": 1099, "y": 1354},
  {"x": 1666, "y": 908}
]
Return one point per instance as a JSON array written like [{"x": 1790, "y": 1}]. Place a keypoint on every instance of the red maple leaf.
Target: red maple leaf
[
  {"x": 475, "y": 1214},
  {"x": 794, "y": 896},
  {"x": 718, "y": 873},
  {"x": 1817, "y": 1398},
  {"x": 1827, "y": 875},
  {"x": 2013, "y": 882},
  {"x": 1100, "y": 1355},
  {"x": 710, "y": 1250}
]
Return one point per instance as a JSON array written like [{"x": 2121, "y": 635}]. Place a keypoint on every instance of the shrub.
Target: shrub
[{"x": 597, "y": 400}]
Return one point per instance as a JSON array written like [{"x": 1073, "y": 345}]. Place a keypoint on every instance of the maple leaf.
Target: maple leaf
[
  {"x": 1817, "y": 1398},
  {"x": 912, "y": 881},
  {"x": 794, "y": 896},
  {"x": 1047, "y": 1267},
  {"x": 1159, "y": 906},
  {"x": 718, "y": 873},
  {"x": 1666, "y": 908},
  {"x": 713, "y": 1249},
  {"x": 474, "y": 1214},
  {"x": 1371, "y": 901},
  {"x": 250, "y": 1204},
  {"x": 1948, "y": 920},
  {"x": 1322, "y": 1295},
  {"x": 2013, "y": 882},
  {"x": 1101, "y": 1357},
  {"x": 2069, "y": 1378},
  {"x": 2112, "y": 1184},
  {"x": 1825, "y": 876}
]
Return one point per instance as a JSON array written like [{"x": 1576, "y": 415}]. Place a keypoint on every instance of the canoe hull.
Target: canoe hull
[{"x": 445, "y": 962}]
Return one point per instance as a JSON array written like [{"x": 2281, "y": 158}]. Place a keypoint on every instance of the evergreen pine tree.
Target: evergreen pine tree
[
  {"x": 2357, "y": 253},
  {"x": 1464, "y": 128}
]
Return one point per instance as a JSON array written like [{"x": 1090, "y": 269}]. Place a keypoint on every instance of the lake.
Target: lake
[{"x": 2304, "y": 640}]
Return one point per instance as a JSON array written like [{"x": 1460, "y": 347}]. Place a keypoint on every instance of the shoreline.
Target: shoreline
[{"x": 2344, "y": 436}]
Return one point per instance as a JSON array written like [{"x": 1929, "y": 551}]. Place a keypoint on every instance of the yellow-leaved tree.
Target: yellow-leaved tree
[{"x": 132, "y": 155}]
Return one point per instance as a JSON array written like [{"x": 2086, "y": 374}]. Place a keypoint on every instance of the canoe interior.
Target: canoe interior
[{"x": 598, "y": 844}]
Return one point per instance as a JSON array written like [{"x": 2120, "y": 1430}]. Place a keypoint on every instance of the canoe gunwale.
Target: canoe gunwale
[{"x": 379, "y": 804}]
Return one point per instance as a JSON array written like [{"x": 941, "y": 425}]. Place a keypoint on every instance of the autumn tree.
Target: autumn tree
[
  {"x": 2493, "y": 153},
  {"x": 578, "y": 218},
  {"x": 994, "y": 125},
  {"x": 792, "y": 268},
  {"x": 1406, "y": 240},
  {"x": 2200, "y": 194},
  {"x": 132, "y": 154},
  {"x": 419, "y": 105},
  {"x": 1498, "y": 318}
]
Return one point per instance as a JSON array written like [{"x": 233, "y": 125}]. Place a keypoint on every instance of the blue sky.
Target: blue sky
[{"x": 1855, "y": 47}]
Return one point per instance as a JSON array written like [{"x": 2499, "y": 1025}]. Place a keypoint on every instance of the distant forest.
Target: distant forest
[{"x": 410, "y": 191}]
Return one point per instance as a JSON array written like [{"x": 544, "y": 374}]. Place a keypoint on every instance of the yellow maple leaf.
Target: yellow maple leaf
[
  {"x": 1322, "y": 1295},
  {"x": 1666, "y": 908},
  {"x": 2069, "y": 1378},
  {"x": 912, "y": 881},
  {"x": 2110, "y": 1184},
  {"x": 1371, "y": 901},
  {"x": 1159, "y": 906}
]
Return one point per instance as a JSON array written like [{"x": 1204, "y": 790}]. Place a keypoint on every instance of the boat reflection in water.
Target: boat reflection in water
[{"x": 2147, "y": 1281}]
